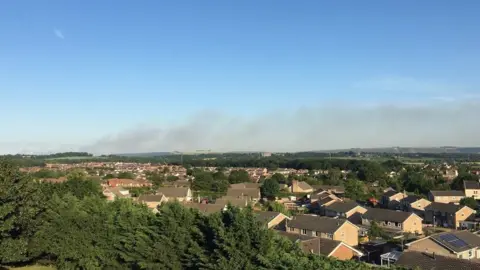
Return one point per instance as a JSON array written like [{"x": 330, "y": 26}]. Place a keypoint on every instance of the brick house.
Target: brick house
[
  {"x": 348, "y": 210},
  {"x": 324, "y": 227},
  {"x": 447, "y": 214},
  {"x": 271, "y": 219},
  {"x": 393, "y": 220},
  {"x": 300, "y": 187},
  {"x": 446, "y": 196},
  {"x": 472, "y": 189},
  {"x": 322, "y": 246},
  {"x": 180, "y": 194}
]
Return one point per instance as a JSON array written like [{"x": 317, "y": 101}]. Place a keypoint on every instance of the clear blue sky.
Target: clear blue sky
[{"x": 74, "y": 71}]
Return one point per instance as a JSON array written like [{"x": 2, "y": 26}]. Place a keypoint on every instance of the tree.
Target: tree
[
  {"x": 126, "y": 175},
  {"x": 457, "y": 183},
  {"x": 238, "y": 176},
  {"x": 355, "y": 189},
  {"x": 470, "y": 202},
  {"x": 21, "y": 203},
  {"x": 270, "y": 188},
  {"x": 280, "y": 178},
  {"x": 375, "y": 231}
]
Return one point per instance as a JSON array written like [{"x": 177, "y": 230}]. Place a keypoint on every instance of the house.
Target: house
[
  {"x": 323, "y": 246},
  {"x": 117, "y": 182},
  {"x": 393, "y": 220},
  {"x": 233, "y": 201},
  {"x": 324, "y": 227},
  {"x": 349, "y": 210},
  {"x": 244, "y": 185},
  {"x": 432, "y": 261},
  {"x": 449, "y": 173},
  {"x": 455, "y": 244},
  {"x": 446, "y": 196},
  {"x": 152, "y": 201},
  {"x": 176, "y": 193},
  {"x": 337, "y": 190},
  {"x": 472, "y": 189},
  {"x": 447, "y": 214},
  {"x": 113, "y": 193},
  {"x": 301, "y": 187},
  {"x": 415, "y": 204},
  {"x": 392, "y": 198},
  {"x": 249, "y": 190},
  {"x": 271, "y": 219}
]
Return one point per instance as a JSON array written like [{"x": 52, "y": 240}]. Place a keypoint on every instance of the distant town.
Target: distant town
[{"x": 412, "y": 210}]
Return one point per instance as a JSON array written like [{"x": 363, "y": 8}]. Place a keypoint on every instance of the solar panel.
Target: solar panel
[
  {"x": 448, "y": 237},
  {"x": 459, "y": 243},
  {"x": 453, "y": 240}
]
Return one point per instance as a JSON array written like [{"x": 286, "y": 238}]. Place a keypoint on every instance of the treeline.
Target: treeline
[
  {"x": 71, "y": 226},
  {"x": 302, "y": 160}
]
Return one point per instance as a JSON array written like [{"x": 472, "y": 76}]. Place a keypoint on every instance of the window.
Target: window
[
  {"x": 463, "y": 214},
  {"x": 317, "y": 234},
  {"x": 292, "y": 229},
  {"x": 470, "y": 254},
  {"x": 329, "y": 235},
  {"x": 304, "y": 231}
]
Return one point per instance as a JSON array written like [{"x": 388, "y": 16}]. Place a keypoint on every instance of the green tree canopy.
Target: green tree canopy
[
  {"x": 270, "y": 188},
  {"x": 238, "y": 176}
]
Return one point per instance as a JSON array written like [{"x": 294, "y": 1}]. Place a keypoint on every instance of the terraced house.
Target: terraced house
[
  {"x": 394, "y": 221},
  {"x": 324, "y": 227},
  {"x": 446, "y": 196},
  {"x": 447, "y": 214}
]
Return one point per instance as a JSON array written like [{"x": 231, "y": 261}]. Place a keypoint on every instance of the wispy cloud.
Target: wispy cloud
[
  {"x": 337, "y": 126},
  {"x": 58, "y": 34}
]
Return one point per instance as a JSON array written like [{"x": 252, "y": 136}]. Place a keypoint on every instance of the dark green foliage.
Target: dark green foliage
[
  {"x": 270, "y": 188},
  {"x": 470, "y": 202},
  {"x": 280, "y": 178},
  {"x": 74, "y": 228},
  {"x": 238, "y": 176},
  {"x": 215, "y": 183},
  {"x": 21, "y": 203},
  {"x": 125, "y": 175},
  {"x": 355, "y": 189}
]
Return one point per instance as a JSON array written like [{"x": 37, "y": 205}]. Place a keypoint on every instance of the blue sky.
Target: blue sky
[{"x": 78, "y": 73}]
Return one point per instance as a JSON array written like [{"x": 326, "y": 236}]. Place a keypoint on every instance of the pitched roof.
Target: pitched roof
[
  {"x": 411, "y": 199},
  {"x": 413, "y": 259},
  {"x": 457, "y": 241},
  {"x": 442, "y": 193},
  {"x": 253, "y": 193},
  {"x": 173, "y": 192},
  {"x": 304, "y": 185},
  {"x": 342, "y": 207},
  {"x": 266, "y": 216},
  {"x": 234, "y": 201},
  {"x": 379, "y": 214},
  {"x": 325, "y": 200},
  {"x": 316, "y": 223},
  {"x": 244, "y": 185},
  {"x": 316, "y": 245},
  {"x": 150, "y": 198},
  {"x": 444, "y": 207},
  {"x": 390, "y": 193},
  {"x": 206, "y": 208},
  {"x": 471, "y": 184},
  {"x": 334, "y": 189}
]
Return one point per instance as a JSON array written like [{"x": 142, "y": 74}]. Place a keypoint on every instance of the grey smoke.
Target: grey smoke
[{"x": 327, "y": 127}]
